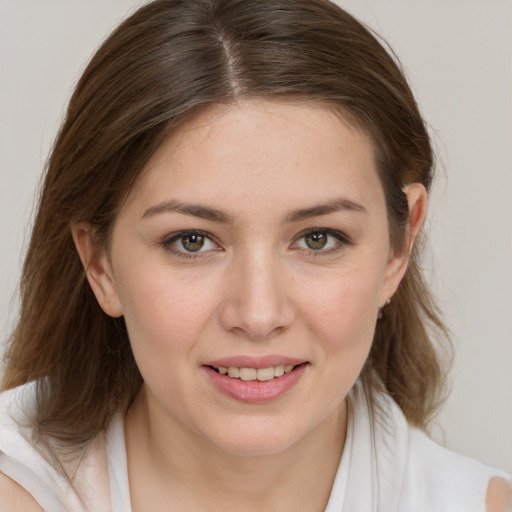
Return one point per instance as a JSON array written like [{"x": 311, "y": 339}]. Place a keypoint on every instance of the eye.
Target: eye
[
  {"x": 189, "y": 243},
  {"x": 321, "y": 240}
]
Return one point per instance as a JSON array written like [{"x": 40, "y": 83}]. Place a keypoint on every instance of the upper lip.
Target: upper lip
[{"x": 244, "y": 361}]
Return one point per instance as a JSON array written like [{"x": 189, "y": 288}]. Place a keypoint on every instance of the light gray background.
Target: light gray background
[{"x": 457, "y": 54}]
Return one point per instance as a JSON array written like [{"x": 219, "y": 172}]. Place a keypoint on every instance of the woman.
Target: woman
[{"x": 222, "y": 305}]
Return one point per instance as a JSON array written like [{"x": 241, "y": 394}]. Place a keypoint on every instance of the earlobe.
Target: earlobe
[
  {"x": 399, "y": 260},
  {"x": 97, "y": 268}
]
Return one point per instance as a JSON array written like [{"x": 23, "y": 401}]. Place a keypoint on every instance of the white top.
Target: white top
[{"x": 386, "y": 465}]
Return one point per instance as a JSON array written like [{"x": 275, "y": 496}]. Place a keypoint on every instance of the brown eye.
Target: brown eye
[
  {"x": 192, "y": 242},
  {"x": 321, "y": 241},
  {"x": 316, "y": 240}
]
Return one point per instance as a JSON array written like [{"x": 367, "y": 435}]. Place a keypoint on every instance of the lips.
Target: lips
[
  {"x": 255, "y": 380},
  {"x": 250, "y": 374},
  {"x": 255, "y": 361}
]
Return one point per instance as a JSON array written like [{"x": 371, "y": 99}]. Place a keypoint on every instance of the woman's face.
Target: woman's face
[{"x": 256, "y": 238}]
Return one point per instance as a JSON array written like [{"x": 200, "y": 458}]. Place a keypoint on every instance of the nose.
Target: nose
[{"x": 257, "y": 305}]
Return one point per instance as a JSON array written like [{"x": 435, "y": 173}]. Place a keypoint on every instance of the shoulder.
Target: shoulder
[
  {"x": 499, "y": 496},
  {"x": 443, "y": 478},
  {"x": 27, "y": 476},
  {"x": 13, "y": 407},
  {"x": 14, "y": 498},
  {"x": 18, "y": 404},
  {"x": 44, "y": 476}
]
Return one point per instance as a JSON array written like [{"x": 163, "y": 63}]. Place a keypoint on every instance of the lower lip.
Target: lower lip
[{"x": 255, "y": 391}]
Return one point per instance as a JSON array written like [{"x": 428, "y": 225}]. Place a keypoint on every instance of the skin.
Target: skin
[
  {"x": 14, "y": 498},
  {"x": 255, "y": 288}
]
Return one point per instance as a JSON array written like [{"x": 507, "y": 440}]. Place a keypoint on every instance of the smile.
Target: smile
[
  {"x": 250, "y": 374},
  {"x": 256, "y": 383}
]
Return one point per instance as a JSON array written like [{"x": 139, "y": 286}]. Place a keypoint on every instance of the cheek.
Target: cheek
[
  {"x": 165, "y": 319},
  {"x": 342, "y": 312},
  {"x": 163, "y": 310}
]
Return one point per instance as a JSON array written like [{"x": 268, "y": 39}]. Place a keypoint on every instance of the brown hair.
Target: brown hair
[{"x": 158, "y": 68}]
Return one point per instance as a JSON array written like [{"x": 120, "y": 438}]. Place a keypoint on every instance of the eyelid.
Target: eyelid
[
  {"x": 342, "y": 241},
  {"x": 174, "y": 237},
  {"x": 342, "y": 238}
]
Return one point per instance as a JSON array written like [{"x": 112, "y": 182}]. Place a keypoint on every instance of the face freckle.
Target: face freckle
[{"x": 292, "y": 267}]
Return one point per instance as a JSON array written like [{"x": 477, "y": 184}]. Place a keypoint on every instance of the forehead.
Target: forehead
[{"x": 261, "y": 151}]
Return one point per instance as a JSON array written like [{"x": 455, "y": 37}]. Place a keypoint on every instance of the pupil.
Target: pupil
[
  {"x": 316, "y": 240},
  {"x": 192, "y": 243}
]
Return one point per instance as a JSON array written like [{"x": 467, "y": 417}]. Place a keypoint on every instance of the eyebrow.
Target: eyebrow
[
  {"x": 336, "y": 205},
  {"x": 192, "y": 209},
  {"x": 215, "y": 215}
]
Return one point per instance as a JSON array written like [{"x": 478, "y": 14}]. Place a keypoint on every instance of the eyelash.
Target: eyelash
[
  {"x": 175, "y": 237},
  {"x": 342, "y": 241}
]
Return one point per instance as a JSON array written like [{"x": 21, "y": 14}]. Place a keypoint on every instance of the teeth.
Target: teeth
[
  {"x": 261, "y": 374},
  {"x": 279, "y": 371},
  {"x": 248, "y": 373},
  {"x": 233, "y": 372},
  {"x": 264, "y": 374}
]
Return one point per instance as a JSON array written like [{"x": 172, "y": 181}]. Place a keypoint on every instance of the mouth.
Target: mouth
[
  {"x": 253, "y": 380},
  {"x": 248, "y": 374}
]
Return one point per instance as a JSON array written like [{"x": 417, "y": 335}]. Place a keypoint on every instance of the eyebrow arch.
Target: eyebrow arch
[
  {"x": 215, "y": 215},
  {"x": 195, "y": 210},
  {"x": 336, "y": 205}
]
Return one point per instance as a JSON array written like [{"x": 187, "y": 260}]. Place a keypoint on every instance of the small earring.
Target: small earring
[{"x": 379, "y": 314}]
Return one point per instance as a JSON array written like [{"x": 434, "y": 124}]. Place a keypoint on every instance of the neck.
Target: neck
[{"x": 173, "y": 465}]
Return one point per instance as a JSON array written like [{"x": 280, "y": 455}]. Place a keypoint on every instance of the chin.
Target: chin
[
  {"x": 251, "y": 440},
  {"x": 254, "y": 447}
]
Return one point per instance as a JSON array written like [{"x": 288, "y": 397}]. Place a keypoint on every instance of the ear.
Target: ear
[
  {"x": 398, "y": 260},
  {"x": 97, "y": 268},
  {"x": 417, "y": 201}
]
